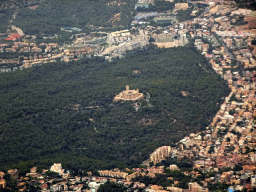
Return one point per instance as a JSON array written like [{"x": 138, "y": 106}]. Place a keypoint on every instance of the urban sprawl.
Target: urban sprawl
[{"x": 223, "y": 153}]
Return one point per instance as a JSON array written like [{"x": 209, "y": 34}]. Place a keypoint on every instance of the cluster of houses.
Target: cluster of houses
[
  {"x": 227, "y": 146},
  {"x": 144, "y": 3},
  {"x": 63, "y": 181},
  {"x": 25, "y": 47},
  {"x": 229, "y": 141},
  {"x": 121, "y": 41},
  {"x": 30, "y": 53}
]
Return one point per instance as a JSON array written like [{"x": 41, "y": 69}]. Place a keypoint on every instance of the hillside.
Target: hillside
[
  {"x": 51, "y": 15},
  {"x": 64, "y": 112},
  {"x": 5, "y": 17}
]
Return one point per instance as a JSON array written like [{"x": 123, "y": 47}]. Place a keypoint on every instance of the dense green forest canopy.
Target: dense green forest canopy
[
  {"x": 5, "y": 17},
  {"x": 159, "y": 6},
  {"x": 64, "y": 112},
  {"x": 51, "y": 15},
  {"x": 111, "y": 187}
]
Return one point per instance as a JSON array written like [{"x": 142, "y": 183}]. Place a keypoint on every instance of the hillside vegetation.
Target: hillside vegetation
[
  {"x": 5, "y": 17},
  {"x": 64, "y": 112},
  {"x": 51, "y": 15}
]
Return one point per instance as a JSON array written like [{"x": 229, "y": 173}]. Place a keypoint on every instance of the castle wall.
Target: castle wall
[{"x": 128, "y": 95}]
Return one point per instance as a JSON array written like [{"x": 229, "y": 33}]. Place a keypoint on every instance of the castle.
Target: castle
[{"x": 128, "y": 95}]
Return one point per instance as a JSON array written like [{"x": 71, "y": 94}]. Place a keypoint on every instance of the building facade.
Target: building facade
[
  {"x": 160, "y": 154},
  {"x": 129, "y": 95}
]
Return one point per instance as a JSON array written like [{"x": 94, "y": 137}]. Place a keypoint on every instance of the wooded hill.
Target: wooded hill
[
  {"x": 51, "y": 15},
  {"x": 64, "y": 112}
]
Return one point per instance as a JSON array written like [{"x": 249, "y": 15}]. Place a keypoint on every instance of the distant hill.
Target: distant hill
[
  {"x": 51, "y": 15},
  {"x": 249, "y": 4},
  {"x": 64, "y": 112}
]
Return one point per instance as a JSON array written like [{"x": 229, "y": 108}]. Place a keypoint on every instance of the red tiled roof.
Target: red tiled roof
[
  {"x": 44, "y": 186},
  {"x": 9, "y": 39},
  {"x": 15, "y": 35}
]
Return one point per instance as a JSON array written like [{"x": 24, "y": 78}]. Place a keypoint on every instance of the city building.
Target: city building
[
  {"x": 205, "y": 48},
  {"x": 229, "y": 42},
  {"x": 2, "y": 174},
  {"x": 94, "y": 185},
  {"x": 239, "y": 42},
  {"x": 57, "y": 167},
  {"x": 116, "y": 174},
  {"x": 181, "y": 6},
  {"x": 253, "y": 181},
  {"x": 160, "y": 154},
  {"x": 13, "y": 173},
  {"x": 2, "y": 183},
  {"x": 183, "y": 39},
  {"x": 144, "y": 3},
  {"x": 195, "y": 187}
]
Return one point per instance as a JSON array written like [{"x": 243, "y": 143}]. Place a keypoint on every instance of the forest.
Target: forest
[
  {"x": 51, "y": 15},
  {"x": 64, "y": 112},
  {"x": 5, "y": 17},
  {"x": 249, "y": 4},
  {"x": 159, "y": 6}
]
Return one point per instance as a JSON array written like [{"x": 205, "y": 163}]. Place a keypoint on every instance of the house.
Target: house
[
  {"x": 2, "y": 174},
  {"x": 57, "y": 167},
  {"x": 249, "y": 168},
  {"x": 13, "y": 37},
  {"x": 195, "y": 187},
  {"x": 181, "y": 6},
  {"x": 173, "y": 167},
  {"x": 174, "y": 189},
  {"x": 13, "y": 173},
  {"x": 56, "y": 187},
  {"x": 94, "y": 185},
  {"x": 2, "y": 183}
]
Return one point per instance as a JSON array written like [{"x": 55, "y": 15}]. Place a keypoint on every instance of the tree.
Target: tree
[
  {"x": 51, "y": 173},
  {"x": 151, "y": 40},
  {"x": 10, "y": 182},
  {"x": 211, "y": 150},
  {"x": 41, "y": 125},
  {"x": 111, "y": 187}
]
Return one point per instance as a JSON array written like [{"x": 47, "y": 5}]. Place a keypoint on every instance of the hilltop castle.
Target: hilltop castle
[{"x": 128, "y": 95}]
